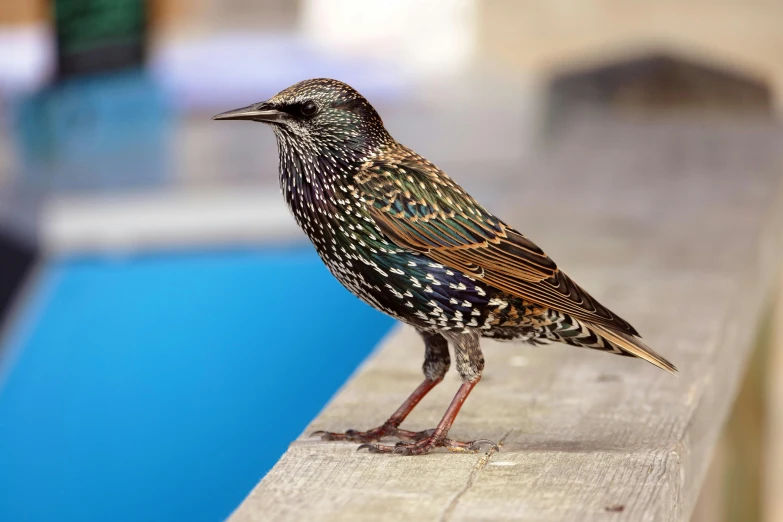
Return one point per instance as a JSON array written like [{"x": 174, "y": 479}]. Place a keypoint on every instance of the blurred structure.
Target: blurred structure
[
  {"x": 542, "y": 37},
  {"x": 98, "y": 122},
  {"x": 107, "y": 153},
  {"x": 656, "y": 85},
  {"x": 96, "y": 37}
]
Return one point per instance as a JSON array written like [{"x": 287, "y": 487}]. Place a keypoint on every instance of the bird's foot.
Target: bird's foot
[
  {"x": 425, "y": 441},
  {"x": 375, "y": 434}
]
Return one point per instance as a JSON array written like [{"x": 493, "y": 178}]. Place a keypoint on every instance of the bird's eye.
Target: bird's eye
[{"x": 309, "y": 108}]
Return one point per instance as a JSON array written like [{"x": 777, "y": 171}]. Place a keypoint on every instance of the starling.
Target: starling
[{"x": 404, "y": 237}]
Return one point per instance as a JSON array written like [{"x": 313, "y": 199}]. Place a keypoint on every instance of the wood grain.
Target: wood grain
[{"x": 676, "y": 226}]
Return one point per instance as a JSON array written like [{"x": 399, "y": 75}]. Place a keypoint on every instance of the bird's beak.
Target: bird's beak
[{"x": 256, "y": 112}]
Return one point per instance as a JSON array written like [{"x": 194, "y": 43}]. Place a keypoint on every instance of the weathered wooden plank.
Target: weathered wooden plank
[
  {"x": 677, "y": 226},
  {"x": 772, "y": 437}
]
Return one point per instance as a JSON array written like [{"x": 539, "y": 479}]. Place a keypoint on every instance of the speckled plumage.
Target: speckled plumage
[{"x": 404, "y": 237}]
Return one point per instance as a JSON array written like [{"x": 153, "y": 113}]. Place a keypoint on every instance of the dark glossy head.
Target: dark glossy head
[{"x": 319, "y": 115}]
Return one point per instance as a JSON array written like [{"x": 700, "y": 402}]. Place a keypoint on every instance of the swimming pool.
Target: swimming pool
[{"x": 164, "y": 386}]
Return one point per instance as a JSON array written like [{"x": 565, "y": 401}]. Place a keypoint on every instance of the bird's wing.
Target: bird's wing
[{"x": 421, "y": 209}]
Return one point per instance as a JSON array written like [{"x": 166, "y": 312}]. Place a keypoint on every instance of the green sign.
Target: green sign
[{"x": 99, "y": 35}]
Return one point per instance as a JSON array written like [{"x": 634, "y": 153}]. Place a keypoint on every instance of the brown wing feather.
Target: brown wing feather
[{"x": 434, "y": 216}]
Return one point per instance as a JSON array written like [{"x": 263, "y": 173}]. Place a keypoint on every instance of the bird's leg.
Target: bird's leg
[
  {"x": 390, "y": 427},
  {"x": 436, "y": 364},
  {"x": 470, "y": 364}
]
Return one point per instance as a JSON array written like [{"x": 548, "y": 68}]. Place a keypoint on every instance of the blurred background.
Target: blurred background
[{"x": 150, "y": 368}]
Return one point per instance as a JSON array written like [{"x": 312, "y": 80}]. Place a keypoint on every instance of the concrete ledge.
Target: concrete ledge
[
  {"x": 166, "y": 220},
  {"x": 116, "y": 223}
]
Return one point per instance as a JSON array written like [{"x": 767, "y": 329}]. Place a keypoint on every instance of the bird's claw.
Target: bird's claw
[
  {"x": 369, "y": 446},
  {"x": 421, "y": 435},
  {"x": 425, "y": 444},
  {"x": 372, "y": 435},
  {"x": 401, "y": 448}
]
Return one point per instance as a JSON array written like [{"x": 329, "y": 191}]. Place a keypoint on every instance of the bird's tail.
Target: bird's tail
[
  {"x": 633, "y": 346},
  {"x": 566, "y": 329}
]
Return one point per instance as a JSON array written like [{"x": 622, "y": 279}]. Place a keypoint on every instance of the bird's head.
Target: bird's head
[{"x": 319, "y": 117}]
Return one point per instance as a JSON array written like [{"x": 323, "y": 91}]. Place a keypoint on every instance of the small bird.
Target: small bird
[{"x": 401, "y": 235}]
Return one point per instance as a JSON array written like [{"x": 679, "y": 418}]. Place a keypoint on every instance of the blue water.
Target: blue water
[{"x": 164, "y": 387}]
